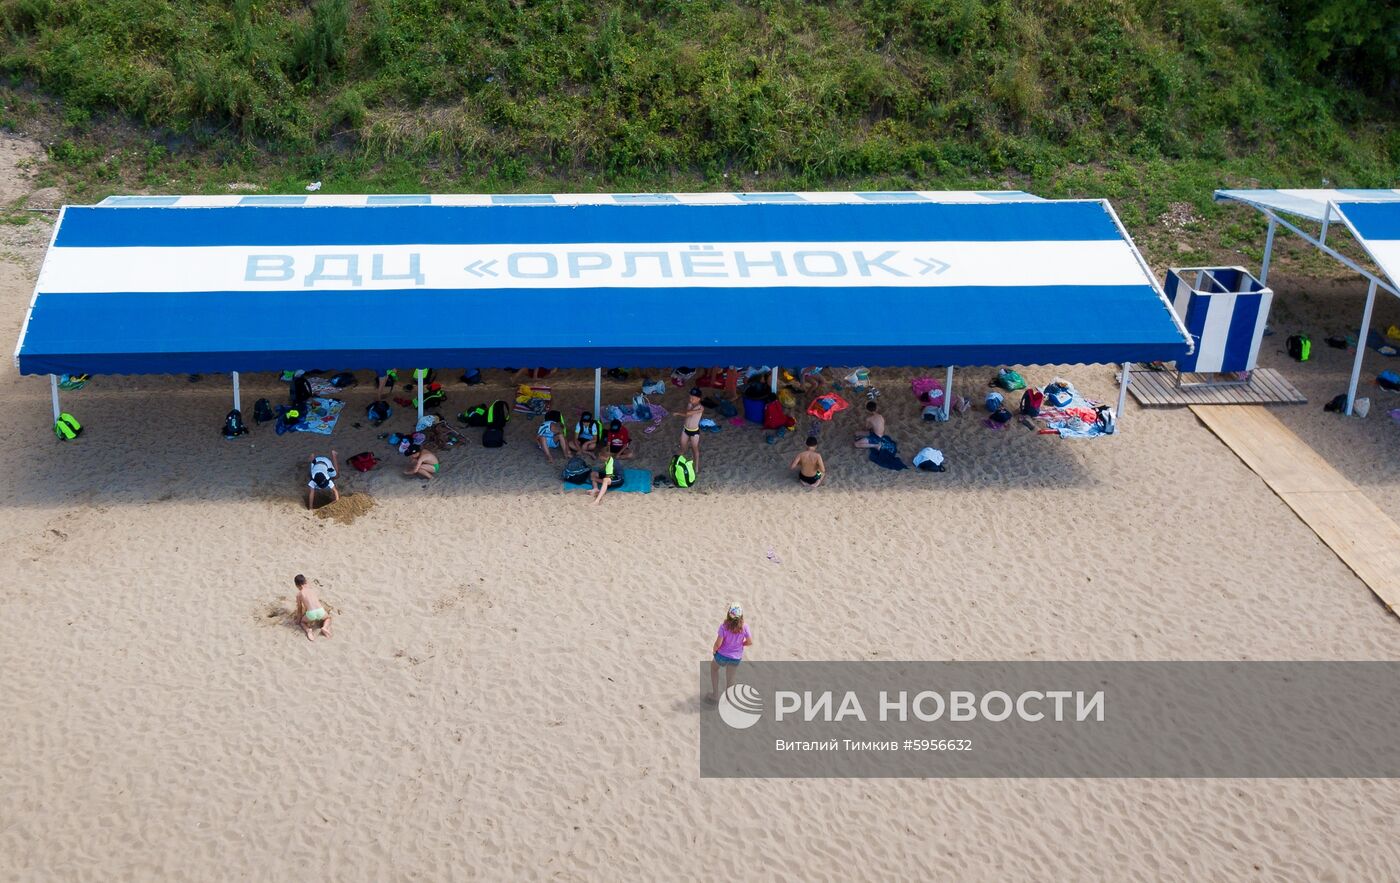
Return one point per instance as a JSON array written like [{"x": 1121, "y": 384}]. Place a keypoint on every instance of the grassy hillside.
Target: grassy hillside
[{"x": 1150, "y": 101}]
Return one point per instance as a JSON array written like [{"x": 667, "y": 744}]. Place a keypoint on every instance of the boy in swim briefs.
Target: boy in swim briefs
[
  {"x": 310, "y": 611},
  {"x": 811, "y": 471},
  {"x": 690, "y": 433},
  {"x": 423, "y": 464}
]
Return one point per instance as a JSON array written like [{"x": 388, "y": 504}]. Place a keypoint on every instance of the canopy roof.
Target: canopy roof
[
  {"x": 1377, "y": 227},
  {"x": 174, "y": 284},
  {"x": 1310, "y": 204}
]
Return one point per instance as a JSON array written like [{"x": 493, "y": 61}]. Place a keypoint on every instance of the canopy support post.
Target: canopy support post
[
  {"x": 237, "y": 399},
  {"x": 597, "y": 393},
  {"x": 420, "y": 374},
  {"x": 1268, "y": 252},
  {"x": 948, "y": 393},
  {"x": 773, "y": 380},
  {"x": 1122, "y": 393},
  {"x": 53, "y": 388},
  {"x": 1360, "y": 346}
]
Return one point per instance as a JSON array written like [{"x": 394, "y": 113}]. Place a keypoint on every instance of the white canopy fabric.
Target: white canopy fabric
[{"x": 1309, "y": 204}]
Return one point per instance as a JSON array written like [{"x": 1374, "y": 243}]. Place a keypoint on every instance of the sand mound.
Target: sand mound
[{"x": 347, "y": 508}]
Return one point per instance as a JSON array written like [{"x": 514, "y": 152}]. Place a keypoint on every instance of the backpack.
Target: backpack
[
  {"x": 774, "y": 416},
  {"x": 498, "y": 414},
  {"x": 233, "y": 425},
  {"x": 1001, "y": 415},
  {"x": 493, "y": 437},
  {"x": 67, "y": 427},
  {"x": 473, "y": 416},
  {"x": 993, "y": 401},
  {"x": 433, "y": 395},
  {"x": 344, "y": 380},
  {"x": 682, "y": 471},
  {"x": 262, "y": 411},
  {"x": 1106, "y": 421},
  {"x": 377, "y": 412},
  {"x": 1299, "y": 347},
  {"x": 726, "y": 408},
  {"x": 575, "y": 471},
  {"x": 1031, "y": 402},
  {"x": 364, "y": 461},
  {"x": 472, "y": 376},
  {"x": 1009, "y": 380},
  {"x": 301, "y": 389}
]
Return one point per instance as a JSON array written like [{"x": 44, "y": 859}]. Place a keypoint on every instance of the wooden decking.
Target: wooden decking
[
  {"x": 1266, "y": 387},
  {"x": 1356, "y": 529}
]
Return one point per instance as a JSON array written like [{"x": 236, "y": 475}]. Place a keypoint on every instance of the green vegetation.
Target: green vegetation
[{"x": 1152, "y": 102}]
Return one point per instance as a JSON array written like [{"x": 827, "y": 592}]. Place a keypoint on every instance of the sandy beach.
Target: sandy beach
[{"x": 511, "y": 693}]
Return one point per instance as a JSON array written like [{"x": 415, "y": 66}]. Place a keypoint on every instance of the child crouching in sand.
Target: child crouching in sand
[{"x": 310, "y": 611}]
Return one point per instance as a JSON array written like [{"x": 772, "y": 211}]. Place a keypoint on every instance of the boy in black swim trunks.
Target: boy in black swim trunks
[
  {"x": 811, "y": 471},
  {"x": 690, "y": 433}
]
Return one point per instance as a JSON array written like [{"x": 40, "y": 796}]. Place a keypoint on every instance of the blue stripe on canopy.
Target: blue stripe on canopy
[
  {"x": 250, "y": 288},
  {"x": 1373, "y": 220},
  {"x": 90, "y": 227},
  {"x": 1376, "y": 225},
  {"x": 269, "y": 331}
]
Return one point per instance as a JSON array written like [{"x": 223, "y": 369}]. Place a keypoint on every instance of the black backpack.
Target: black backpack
[
  {"x": 498, "y": 414},
  {"x": 377, "y": 412},
  {"x": 262, "y": 411},
  {"x": 301, "y": 389},
  {"x": 233, "y": 425},
  {"x": 344, "y": 380},
  {"x": 1299, "y": 347},
  {"x": 493, "y": 437},
  {"x": 575, "y": 471},
  {"x": 473, "y": 416}
]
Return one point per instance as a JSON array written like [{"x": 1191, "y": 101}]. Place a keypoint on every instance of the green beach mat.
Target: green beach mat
[{"x": 634, "y": 481}]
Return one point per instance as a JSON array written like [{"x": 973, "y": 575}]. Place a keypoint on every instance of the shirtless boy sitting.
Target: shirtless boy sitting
[
  {"x": 811, "y": 471},
  {"x": 310, "y": 611},
  {"x": 874, "y": 426}
]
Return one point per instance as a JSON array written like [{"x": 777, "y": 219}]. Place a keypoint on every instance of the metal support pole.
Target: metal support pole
[
  {"x": 597, "y": 393},
  {"x": 1122, "y": 394},
  {"x": 53, "y": 388},
  {"x": 1360, "y": 346},
  {"x": 773, "y": 381},
  {"x": 948, "y": 393},
  {"x": 237, "y": 399},
  {"x": 1268, "y": 252},
  {"x": 419, "y": 374}
]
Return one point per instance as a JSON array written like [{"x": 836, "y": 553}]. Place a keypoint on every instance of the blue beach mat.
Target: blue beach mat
[{"x": 634, "y": 481}]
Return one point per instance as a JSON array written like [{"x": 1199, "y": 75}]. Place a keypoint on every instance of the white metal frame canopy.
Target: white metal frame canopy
[{"x": 1324, "y": 207}]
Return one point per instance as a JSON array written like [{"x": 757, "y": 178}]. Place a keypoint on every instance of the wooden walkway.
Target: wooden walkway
[
  {"x": 1356, "y": 529},
  {"x": 1266, "y": 387}
]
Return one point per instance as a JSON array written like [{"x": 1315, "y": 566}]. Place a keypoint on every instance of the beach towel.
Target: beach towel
[
  {"x": 532, "y": 398},
  {"x": 1377, "y": 341},
  {"x": 634, "y": 481},
  {"x": 826, "y": 406},
  {"x": 321, "y": 416},
  {"x": 887, "y": 455},
  {"x": 321, "y": 386}
]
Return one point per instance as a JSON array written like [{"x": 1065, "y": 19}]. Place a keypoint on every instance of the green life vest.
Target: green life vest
[
  {"x": 682, "y": 471},
  {"x": 67, "y": 427}
]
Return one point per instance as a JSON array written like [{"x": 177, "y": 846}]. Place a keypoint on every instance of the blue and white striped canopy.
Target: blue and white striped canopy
[{"x": 171, "y": 284}]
